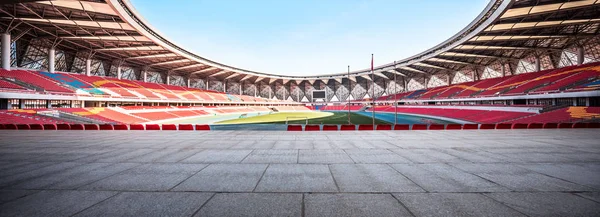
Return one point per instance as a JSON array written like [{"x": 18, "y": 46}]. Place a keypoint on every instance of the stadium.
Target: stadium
[{"x": 100, "y": 114}]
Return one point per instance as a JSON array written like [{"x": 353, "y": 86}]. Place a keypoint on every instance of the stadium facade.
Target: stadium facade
[{"x": 110, "y": 38}]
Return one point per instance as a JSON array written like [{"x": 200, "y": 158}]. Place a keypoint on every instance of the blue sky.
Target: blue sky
[{"x": 308, "y": 37}]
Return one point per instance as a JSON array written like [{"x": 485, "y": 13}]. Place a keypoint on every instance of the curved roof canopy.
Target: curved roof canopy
[{"x": 112, "y": 30}]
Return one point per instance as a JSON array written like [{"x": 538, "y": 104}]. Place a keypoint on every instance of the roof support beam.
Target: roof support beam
[
  {"x": 171, "y": 62},
  {"x": 411, "y": 69},
  {"x": 219, "y": 73},
  {"x": 152, "y": 56},
  {"x": 232, "y": 76},
  {"x": 203, "y": 70},
  {"x": 246, "y": 77},
  {"x": 187, "y": 67}
]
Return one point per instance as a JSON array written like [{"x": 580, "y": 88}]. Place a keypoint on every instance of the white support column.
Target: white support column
[
  {"x": 145, "y": 76},
  {"x": 503, "y": 70},
  {"x": 580, "y": 55},
  {"x": 225, "y": 86},
  {"x": 537, "y": 64},
  {"x": 6, "y": 51},
  {"x": 51, "y": 59},
  {"x": 88, "y": 67},
  {"x": 587, "y": 101},
  {"x": 241, "y": 85},
  {"x": 168, "y": 79},
  {"x": 207, "y": 83},
  {"x": 119, "y": 71},
  {"x": 188, "y": 82}
]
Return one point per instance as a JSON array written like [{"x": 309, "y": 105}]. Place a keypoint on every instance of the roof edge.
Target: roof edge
[{"x": 491, "y": 12}]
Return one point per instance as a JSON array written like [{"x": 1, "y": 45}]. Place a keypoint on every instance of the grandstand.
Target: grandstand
[
  {"x": 500, "y": 119},
  {"x": 550, "y": 65}
]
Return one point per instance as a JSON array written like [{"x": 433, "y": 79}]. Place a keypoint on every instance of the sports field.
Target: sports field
[
  {"x": 280, "y": 117},
  {"x": 300, "y": 118}
]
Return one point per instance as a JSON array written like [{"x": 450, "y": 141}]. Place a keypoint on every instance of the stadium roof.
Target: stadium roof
[{"x": 506, "y": 30}]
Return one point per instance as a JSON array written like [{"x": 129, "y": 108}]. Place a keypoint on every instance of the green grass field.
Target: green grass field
[
  {"x": 279, "y": 117},
  {"x": 314, "y": 118}
]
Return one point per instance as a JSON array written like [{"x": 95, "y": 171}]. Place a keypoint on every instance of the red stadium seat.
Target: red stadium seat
[
  {"x": 186, "y": 127},
  {"x": 23, "y": 127},
  {"x": 487, "y": 127},
  {"x": 294, "y": 128},
  {"x": 535, "y": 126},
  {"x": 594, "y": 125},
  {"x": 365, "y": 127},
  {"x": 107, "y": 127},
  {"x": 503, "y": 126},
  {"x": 470, "y": 126},
  {"x": 330, "y": 127},
  {"x": 120, "y": 127},
  {"x": 519, "y": 126},
  {"x": 454, "y": 127},
  {"x": 77, "y": 126},
  {"x": 580, "y": 125},
  {"x": 312, "y": 128},
  {"x": 36, "y": 126},
  {"x": 10, "y": 126},
  {"x": 136, "y": 127},
  {"x": 168, "y": 127},
  {"x": 152, "y": 127},
  {"x": 419, "y": 127},
  {"x": 63, "y": 127},
  {"x": 401, "y": 127},
  {"x": 348, "y": 127},
  {"x": 384, "y": 127},
  {"x": 50, "y": 127},
  {"x": 550, "y": 126},
  {"x": 202, "y": 127},
  {"x": 437, "y": 127},
  {"x": 565, "y": 125},
  {"x": 91, "y": 127}
]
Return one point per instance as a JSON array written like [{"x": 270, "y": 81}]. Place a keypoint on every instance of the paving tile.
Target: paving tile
[
  {"x": 218, "y": 156},
  {"x": 454, "y": 204},
  {"x": 519, "y": 179},
  {"x": 37, "y": 172},
  {"x": 583, "y": 174},
  {"x": 149, "y": 204},
  {"x": 53, "y": 203},
  {"x": 327, "y": 156},
  {"x": 548, "y": 203},
  {"x": 272, "y": 156},
  {"x": 595, "y": 196},
  {"x": 297, "y": 178},
  {"x": 253, "y": 204},
  {"x": 9, "y": 195},
  {"x": 149, "y": 177},
  {"x": 353, "y": 205},
  {"x": 165, "y": 155},
  {"x": 78, "y": 180},
  {"x": 445, "y": 178},
  {"x": 371, "y": 178},
  {"x": 49, "y": 179},
  {"x": 224, "y": 178},
  {"x": 426, "y": 156},
  {"x": 375, "y": 156}
]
